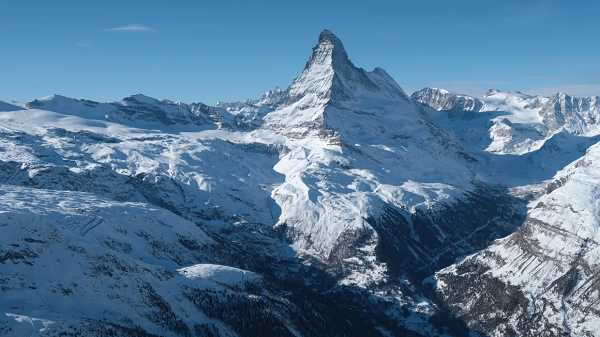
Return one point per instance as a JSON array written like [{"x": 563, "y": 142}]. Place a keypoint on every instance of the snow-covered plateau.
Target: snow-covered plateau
[{"x": 340, "y": 206}]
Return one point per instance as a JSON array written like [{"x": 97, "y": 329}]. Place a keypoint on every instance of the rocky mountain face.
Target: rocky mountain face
[
  {"x": 457, "y": 106},
  {"x": 540, "y": 280},
  {"x": 574, "y": 113},
  {"x": 338, "y": 206},
  {"x": 515, "y": 122},
  {"x": 543, "y": 279}
]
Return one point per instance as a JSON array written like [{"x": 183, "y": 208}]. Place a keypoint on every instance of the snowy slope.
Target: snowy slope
[
  {"x": 68, "y": 256},
  {"x": 138, "y": 111},
  {"x": 513, "y": 122},
  {"x": 549, "y": 268},
  {"x": 11, "y": 106},
  {"x": 306, "y": 209},
  {"x": 539, "y": 281},
  {"x": 74, "y": 262},
  {"x": 300, "y": 184},
  {"x": 341, "y": 146}
]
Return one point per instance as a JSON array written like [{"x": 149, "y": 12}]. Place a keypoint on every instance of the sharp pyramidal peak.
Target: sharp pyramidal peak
[{"x": 331, "y": 75}]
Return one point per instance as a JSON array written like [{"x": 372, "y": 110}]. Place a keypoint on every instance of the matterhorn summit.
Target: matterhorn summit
[{"x": 330, "y": 75}]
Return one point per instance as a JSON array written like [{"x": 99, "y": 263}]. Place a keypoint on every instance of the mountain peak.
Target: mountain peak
[
  {"x": 140, "y": 98},
  {"x": 329, "y": 49},
  {"x": 327, "y": 35},
  {"x": 332, "y": 77},
  {"x": 491, "y": 92}
]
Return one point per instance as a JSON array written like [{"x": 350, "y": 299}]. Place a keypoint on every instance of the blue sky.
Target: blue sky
[{"x": 205, "y": 51}]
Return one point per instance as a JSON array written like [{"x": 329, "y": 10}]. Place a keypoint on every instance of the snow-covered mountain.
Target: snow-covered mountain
[
  {"x": 514, "y": 122},
  {"x": 543, "y": 279},
  {"x": 314, "y": 210},
  {"x": 136, "y": 110}
]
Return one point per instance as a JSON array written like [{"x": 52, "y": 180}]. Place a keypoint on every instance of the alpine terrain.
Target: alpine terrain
[{"x": 340, "y": 206}]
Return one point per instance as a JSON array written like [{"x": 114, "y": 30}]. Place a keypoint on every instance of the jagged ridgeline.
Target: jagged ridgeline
[{"x": 339, "y": 206}]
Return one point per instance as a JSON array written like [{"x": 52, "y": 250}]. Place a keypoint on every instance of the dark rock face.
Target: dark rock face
[
  {"x": 572, "y": 112},
  {"x": 458, "y": 107},
  {"x": 340, "y": 57},
  {"x": 436, "y": 238},
  {"x": 543, "y": 279},
  {"x": 484, "y": 314},
  {"x": 256, "y": 312}
]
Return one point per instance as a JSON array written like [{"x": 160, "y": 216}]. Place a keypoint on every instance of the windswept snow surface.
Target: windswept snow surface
[
  {"x": 18, "y": 325},
  {"x": 11, "y": 106},
  {"x": 73, "y": 255},
  {"x": 220, "y": 274}
]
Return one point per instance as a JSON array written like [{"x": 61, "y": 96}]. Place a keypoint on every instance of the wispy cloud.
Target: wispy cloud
[
  {"x": 531, "y": 15},
  {"x": 541, "y": 77},
  {"x": 131, "y": 28},
  {"x": 84, "y": 44},
  {"x": 525, "y": 16}
]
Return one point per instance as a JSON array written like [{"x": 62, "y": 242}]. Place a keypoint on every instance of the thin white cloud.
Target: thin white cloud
[
  {"x": 541, "y": 77},
  {"x": 531, "y": 15},
  {"x": 84, "y": 44},
  {"x": 131, "y": 28}
]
